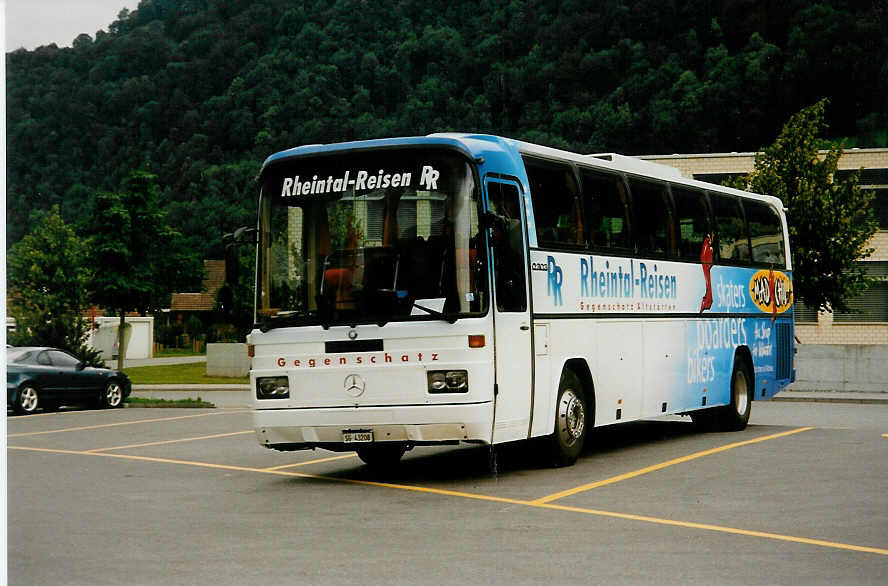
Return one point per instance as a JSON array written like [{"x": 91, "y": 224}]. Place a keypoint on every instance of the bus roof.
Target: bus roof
[{"x": 486, "y": 149}]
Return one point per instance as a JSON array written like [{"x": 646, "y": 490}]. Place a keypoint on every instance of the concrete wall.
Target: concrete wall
[
  {"x": 227, "y": 360},
  {"x": 140, "y": 333},
  {"x": 841, "y": 367}
]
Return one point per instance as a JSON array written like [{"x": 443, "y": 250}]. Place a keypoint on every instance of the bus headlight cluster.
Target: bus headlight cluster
[
  {"x": 448, "y": 381},
  {"x": 273, "y": 387}
]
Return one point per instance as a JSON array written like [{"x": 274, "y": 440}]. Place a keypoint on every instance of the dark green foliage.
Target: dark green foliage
[
  {"x": 203, "y": 90},
  {"x": 830, "y": 219},
  {"x": 48, "y": 283},
  {"x": 141, "y": 259}
]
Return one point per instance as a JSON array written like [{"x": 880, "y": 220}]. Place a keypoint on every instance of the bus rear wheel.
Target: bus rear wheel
[
  {"x": 735, "y": 415},
  {"x": 571, "y": 421},
  {"x": 382, "y": 455}
]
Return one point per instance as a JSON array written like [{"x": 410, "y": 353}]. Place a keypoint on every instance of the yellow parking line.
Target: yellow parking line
[
  {"x": 173, "y": 441},
  {"x": 318, "y": 461},
  {"x": 661, "y": 465},
  {"x": 474, "y": 496},
  {"x": 723, "y": 529},
  {"x": 119, "y": 423}
]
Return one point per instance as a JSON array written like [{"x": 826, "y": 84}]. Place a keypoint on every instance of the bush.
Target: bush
[
  {"x": 221, "y": 332},
  {"x": 194, "y": 327},
  {"x": 169, "y": 335}
]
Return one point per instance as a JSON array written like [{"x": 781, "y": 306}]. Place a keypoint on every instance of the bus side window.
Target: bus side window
[
  {"x": 654, "y": 219},
  {"x": 556, "y": 205},
  {"x": 765, "y": 234},
  {"x": 692, "y": 219},
  {"x": 507, "y": 241},
  {"x": 607, "y": 211},
  {"x": 733, "y": 243}
]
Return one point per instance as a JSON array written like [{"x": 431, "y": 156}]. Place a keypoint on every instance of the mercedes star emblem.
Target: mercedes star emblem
[{"x": 354, "y": 385}]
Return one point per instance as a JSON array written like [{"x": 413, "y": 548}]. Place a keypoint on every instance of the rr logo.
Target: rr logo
[{"x": 554, "y": 279}]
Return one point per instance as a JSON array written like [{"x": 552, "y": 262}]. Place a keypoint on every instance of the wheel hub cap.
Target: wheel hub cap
[{"x": 571, "y": 418}]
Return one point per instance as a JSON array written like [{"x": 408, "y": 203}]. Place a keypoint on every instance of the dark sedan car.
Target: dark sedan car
[{"x": 49, "y": 377}]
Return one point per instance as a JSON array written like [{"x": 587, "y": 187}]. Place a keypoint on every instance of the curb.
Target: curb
[{"x": 869, "y": 399}]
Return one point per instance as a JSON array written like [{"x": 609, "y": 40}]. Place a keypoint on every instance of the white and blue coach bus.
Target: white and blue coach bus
[{"x": 470, "y": 288}]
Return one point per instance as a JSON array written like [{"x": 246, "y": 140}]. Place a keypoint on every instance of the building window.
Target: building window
[
  {"x": 717, "y": 178},
  {"x": 880, "y": 206},
  {"x": 804, "y": 314},
  {"x": 872, "y": 304}
]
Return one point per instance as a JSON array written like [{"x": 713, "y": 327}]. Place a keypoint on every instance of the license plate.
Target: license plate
[{"x": 357, "y": 436}]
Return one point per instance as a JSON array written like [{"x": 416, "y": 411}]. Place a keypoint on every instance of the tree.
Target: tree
[
  {"x": 48, "y": 288},
  {"x": 142, "y": 260},
  {"x": 830, "y": 219}
]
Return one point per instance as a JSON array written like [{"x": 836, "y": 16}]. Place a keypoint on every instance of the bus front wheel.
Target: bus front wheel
[{"x": 571, "y": 421}]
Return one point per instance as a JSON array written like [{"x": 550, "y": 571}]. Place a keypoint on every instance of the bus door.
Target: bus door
[{"x": 511, "y": 312}]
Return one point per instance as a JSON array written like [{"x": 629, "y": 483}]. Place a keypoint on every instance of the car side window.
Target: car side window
[
  {"x": 43, "y": 358},
  {"x": 62, "y": 358}
]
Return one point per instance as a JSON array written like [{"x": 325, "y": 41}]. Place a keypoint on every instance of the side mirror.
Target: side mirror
[
  {"x": 80, "y": 365},
  {"x": 241, "y": 236}
]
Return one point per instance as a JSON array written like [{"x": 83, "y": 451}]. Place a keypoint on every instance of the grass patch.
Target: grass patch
[
  {"x": 192, "y": 373},
  {"x": 197, "y": 403}
]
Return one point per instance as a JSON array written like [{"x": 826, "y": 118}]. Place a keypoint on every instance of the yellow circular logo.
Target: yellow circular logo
[{"x": 771, "y": 291}]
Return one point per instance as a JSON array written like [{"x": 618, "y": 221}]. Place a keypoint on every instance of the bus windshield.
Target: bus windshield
[{"x": 370, "y": 237}]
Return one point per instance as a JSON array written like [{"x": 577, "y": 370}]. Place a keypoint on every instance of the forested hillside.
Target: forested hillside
[{"x": 201, "y": 91}]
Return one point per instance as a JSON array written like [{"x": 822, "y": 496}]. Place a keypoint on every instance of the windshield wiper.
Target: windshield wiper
[{"x": 449, "y": 318}]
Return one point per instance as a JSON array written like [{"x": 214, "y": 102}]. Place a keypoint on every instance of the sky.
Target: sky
[{"x": 32, "y": 23}]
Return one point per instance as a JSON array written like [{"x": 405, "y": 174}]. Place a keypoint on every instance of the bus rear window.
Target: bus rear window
[{"x": 765, "y": 234}]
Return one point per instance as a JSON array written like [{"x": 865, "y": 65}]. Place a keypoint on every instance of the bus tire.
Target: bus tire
[
  {"x": 735, "y": 415},
  {"x": 571, "y": 421},
  {"x": 381, "y": 455}
]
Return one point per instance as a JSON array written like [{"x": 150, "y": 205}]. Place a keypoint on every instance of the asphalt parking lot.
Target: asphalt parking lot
[{"x": 175, "y": 496}]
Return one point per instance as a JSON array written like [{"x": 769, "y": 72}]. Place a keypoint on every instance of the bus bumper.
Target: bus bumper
[{"x": 295, "y": 429}]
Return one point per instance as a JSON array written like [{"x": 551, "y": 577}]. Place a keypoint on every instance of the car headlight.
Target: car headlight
[
  {"x": 273, "y": 387},
  {"x": 448, "y": 381}
]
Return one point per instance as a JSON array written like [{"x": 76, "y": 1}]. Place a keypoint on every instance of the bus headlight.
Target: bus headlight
[
  {"x": 448, "y": 381},
  {"x": 273, "y": 387}
]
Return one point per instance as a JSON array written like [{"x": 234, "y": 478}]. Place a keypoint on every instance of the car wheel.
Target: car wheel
[
  {"x": 571, "y": 421},
  {"x": 112, "y": 397},
  {"x": 382, "y": 455},
  {"x": 28, "y": 400}
]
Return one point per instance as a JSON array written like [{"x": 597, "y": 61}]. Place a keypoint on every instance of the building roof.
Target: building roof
[{"x": 206, "y": 300}]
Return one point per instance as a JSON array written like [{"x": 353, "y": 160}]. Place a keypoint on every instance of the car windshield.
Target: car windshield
[{"x": 370, "y": 237}]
